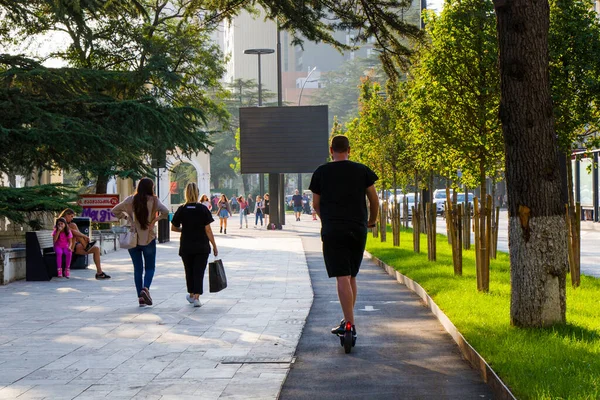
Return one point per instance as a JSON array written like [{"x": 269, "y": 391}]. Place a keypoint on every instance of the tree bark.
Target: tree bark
[
  {"x": 101, "y": 184},
  {"x": 537, "y": 231}
]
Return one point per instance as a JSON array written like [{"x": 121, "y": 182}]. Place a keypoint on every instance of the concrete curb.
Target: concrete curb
[{"x": 501, "y": 391}]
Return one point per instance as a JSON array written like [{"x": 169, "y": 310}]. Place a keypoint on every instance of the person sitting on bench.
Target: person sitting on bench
[{"x": 83, "y": 244}]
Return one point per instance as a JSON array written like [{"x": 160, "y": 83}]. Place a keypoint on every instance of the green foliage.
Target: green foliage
[
  {"x": 561, "y": 362},
  {"x": 574, "y": 45},
  {"x": 74, "y": 119},
  {"x": 29, "y": 205},
  {"x": 455, "y": 93},
  {"x": 140, "y": 86},
  {"x": 341, "y": 88}
]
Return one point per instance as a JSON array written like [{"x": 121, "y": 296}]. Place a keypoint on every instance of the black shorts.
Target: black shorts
[{"x": 343, "y": 251}]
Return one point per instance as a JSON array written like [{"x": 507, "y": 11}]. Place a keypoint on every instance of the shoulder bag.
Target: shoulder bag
[{"x": 129, "y": 238}]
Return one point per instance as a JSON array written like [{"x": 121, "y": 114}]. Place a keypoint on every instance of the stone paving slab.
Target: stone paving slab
[{"x": 87, "y": 339}]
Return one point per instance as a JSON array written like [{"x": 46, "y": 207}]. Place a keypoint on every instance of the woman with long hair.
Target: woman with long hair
[
  {"x": 258, "y": 211},
  {"x": 193, "y": 221},
  {"x": 145, "y": 209},
  {"x": 243, "y": 210},
  {"x": 224, "y": 213},
  {"x": 205, "y": 201},
  {"x": 267, "y": 202}
]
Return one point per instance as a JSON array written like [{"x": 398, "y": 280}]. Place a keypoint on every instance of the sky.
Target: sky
[{"x": 435, "y": 4}]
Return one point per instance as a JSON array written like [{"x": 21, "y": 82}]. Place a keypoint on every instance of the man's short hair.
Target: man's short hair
[{"x": 340, "y": 144}]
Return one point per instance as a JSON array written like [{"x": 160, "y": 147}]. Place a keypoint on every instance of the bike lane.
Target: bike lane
[{"x": 402, "y": 351}]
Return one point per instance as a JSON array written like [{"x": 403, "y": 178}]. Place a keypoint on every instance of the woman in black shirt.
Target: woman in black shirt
[{"x": 193, "y": 221}]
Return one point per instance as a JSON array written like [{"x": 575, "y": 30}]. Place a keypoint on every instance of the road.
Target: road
[{"x": 590, "y": 237}]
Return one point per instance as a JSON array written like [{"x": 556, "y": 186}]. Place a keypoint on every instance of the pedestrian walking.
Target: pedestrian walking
[
  {"x": 258, "y": 211},
  {"x": 266, "y": 209},
  {"x": 143, "y": 209},
  {"x": 193, "y": 220},
  {"x": 234, "y": 204},
  {"x": 83, "y": 243},
  {"x": 250, "y": 202},
  {"x": 224, "y": 213},
  {"x": 297, "y": 204},
  {"x": 205, "y": 202},
  {"x": 63, "y": 244},
  {"x": 243, "y": 211},
  {"x": 339, "y": 188}
]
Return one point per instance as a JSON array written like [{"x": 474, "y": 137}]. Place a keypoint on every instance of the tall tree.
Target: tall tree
[
  {"x": 157, "y": 53},
  {"x": 537, "y": 231},
  {"x": 456, "y": 97}
]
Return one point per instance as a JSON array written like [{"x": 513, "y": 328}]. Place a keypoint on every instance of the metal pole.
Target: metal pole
[
  {"x": 261, "y": 177},
  {"x": 304, "y": 84},
  {"x": 280, "y": 104},
  {"x": 259, "y": 83}
]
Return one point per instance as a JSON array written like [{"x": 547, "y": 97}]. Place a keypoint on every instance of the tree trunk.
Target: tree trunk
[
  {"x": 101, "y": 184},
  {"x": 537, "y": 231}
]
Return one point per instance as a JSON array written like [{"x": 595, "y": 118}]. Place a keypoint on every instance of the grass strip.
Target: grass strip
[{"x": 560, "y": 362}]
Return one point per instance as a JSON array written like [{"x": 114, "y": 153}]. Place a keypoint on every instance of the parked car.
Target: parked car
[
  {"x": 411, "y": 203},
  {"x": 439, "y": 198},
  {"x": 460, "y": 199},
  {"x": 397, "y": 197}
]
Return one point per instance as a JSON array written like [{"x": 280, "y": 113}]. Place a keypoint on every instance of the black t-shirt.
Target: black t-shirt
[
  {"x": 342, "y": 187},
  {"x": 297, "y": 199},
  {"x": 193, "y": 218}
]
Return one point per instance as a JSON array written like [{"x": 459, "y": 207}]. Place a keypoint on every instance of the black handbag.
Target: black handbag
[{"x": 216, "y": 276}]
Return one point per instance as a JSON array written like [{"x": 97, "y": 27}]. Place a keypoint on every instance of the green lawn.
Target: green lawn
[{"x": 562, "y": 362}]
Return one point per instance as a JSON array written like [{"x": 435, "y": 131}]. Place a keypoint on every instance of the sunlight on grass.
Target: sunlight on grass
[{"x": 562, "y": 362}]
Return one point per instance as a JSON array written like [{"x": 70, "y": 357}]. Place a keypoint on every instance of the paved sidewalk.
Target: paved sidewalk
[{"x": 88, "y": 339}]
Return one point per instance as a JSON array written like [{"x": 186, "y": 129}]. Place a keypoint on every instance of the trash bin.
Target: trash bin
[
  {"x": 84, "y": 224},
  {"x": 164, "y": 229}
]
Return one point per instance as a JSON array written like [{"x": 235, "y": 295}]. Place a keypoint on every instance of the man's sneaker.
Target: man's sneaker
[
  {"x": 90, "y": 245},
  {"x": 142, "y": 302},
  {"x": 339, "y": 330},
  {"x": 197, "y": 303},
  {"x": 145, "y": 294},
  {"x": 189, "y": 298}
]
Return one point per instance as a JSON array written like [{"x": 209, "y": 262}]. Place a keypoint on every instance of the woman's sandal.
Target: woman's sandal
[{"x": 102, "y": 275}]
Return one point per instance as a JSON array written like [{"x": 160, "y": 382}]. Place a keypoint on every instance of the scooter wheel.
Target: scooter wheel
[
  {"x": 347, "y": 342},
  {"x": 348, "y": 338}
]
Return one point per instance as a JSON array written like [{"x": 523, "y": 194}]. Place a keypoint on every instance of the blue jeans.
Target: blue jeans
[
  {"x": 257, "y": 216},
  {"x": 148, "y": 253}
]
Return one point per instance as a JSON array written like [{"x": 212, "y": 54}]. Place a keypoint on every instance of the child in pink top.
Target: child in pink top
[{"x": 63, "y": 244}]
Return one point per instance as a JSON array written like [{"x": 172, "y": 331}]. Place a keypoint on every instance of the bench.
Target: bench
[{"x": 41, "y": 258}]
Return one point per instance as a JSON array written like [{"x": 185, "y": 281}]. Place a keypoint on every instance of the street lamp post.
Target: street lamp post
[
  {"x": 299, "y": 185},
  {"x": 259, "y": 53},
  {"x": 304, "y": 84}
]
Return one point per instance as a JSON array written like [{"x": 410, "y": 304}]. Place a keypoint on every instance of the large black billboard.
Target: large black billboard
[{"x": 283, "y": 139}]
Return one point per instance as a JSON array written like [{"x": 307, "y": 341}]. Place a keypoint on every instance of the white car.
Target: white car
[
  {"x": 398, "y": 198},
  {"x": 439, "y": 198},
  {"x": 411, "y": 203},
  {"x": 460, "y": 199}
]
